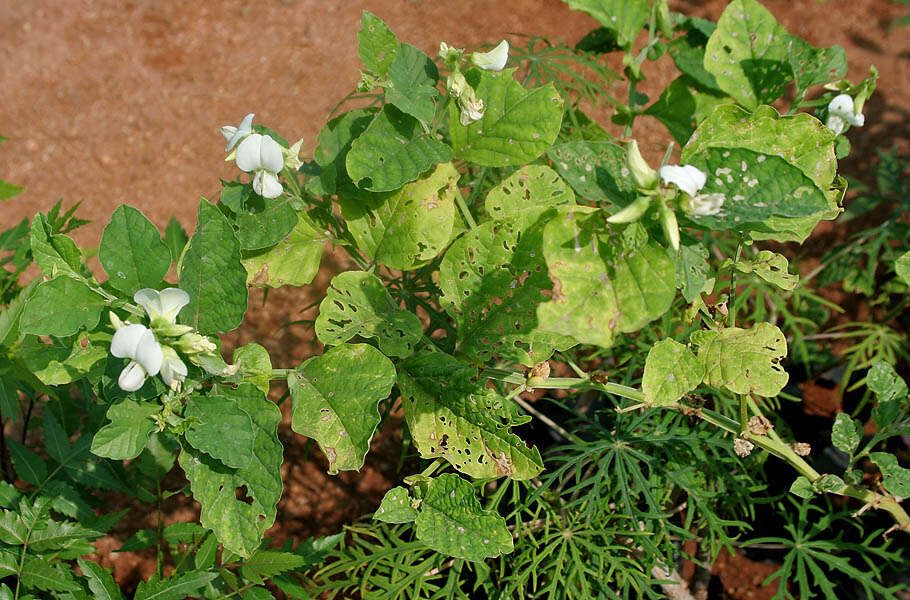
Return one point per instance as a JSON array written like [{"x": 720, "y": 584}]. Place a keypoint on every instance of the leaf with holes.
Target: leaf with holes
[
  {"x": 221, "y": 429},
  {"x": 517, "y": 126},
  {"x": 770, "y": 266},
  {"x": 377, "y": 44},
  {"x": 596, "y": 171},
  {"x": 405, "y": 229},
  {"x": 452, "y": 521},
  {"x": 813, "y": 66},
  {"x": 527, "y": 193},
  {"x": 624, "y": 17},
  {"x": 396, "y": 507},
  {"x": 335, "y": 141},
  {"x": 336, "y": 401},
  {"x": 748, "y": 54},
  {"x": 413, "y": 77},
  {"x": 671, "y": 371},
  {"x": 292, "y": 261},
  {"x": 884, "y": 381},
  {"x": 392, "y": 151},
  {"x": 357, "y": 303},
  {"x": 606, "y": 280},
  {"x": 895, "y": 478},
  {"x": 239, "y": 524},
  {"x": 744, "y": 361},
  {"x": 493, "y": 280},
  {"x": 453, "y": 417},
  {"x": 132, "y": 252},
  {"x": 846, "y": 433},
  {"x": 692, "y": 270},
  {"x": 212, "y": 274}
]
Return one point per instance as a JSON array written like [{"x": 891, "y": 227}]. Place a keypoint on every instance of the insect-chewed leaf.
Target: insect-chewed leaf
[
  {"x": 527, "y": 193},
  {"x": 846, "y": 433},
  {"x": 336, "y": 401},
  {"x": 770, "y": 266},
  {"x": 692, "y": 271},
  {"x": 517, "y": 126},
  {"x": 396, "y": 507},
  {"x": 885, "y": 382},
  {"x": 595, "y": 170},
  {"x": 606, "y": 280},
  {"x": 814, "y": 66},
  {"x": 671, "y": 371},
  {"x": 744, "y": 360},
  {"x": 453, "y": 417},
  {"x": 452, "y": 521},
  {"x": 405, "y": 229},
  {"x": 895, "y": 478},
  {"x": 292, "y": 261}
]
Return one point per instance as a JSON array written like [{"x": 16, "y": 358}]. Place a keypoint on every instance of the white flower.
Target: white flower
[
  {"x": 495, "y": 59},
  {"x": 703, "y": 205},
  {"x": 173, "y": 370},
  {"x": 261, "y": 155},
  {"x": 235, "y": 134},
  {"x": 841, "y": 113},
  {"x": 687, "y": 178},
  {"x": 137, "y": 343},
  {"x": 471, "y": 109},
  {"x": 162, "y": 307}
]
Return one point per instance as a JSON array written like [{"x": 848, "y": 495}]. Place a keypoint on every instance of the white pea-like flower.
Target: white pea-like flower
[
  {"x": 841, "y": 112},
  {"x": 162, "y": 307},
  {"x": 472, "y": 109},
  {"x": 234, "y": 134},
  {"x": 173, "y": 370},
  {"x": 495, "y": 59},
  {"x": 686, "y": 177},
  {"x": 262, "y": 156},
  {"x": 138, "y": 343}
]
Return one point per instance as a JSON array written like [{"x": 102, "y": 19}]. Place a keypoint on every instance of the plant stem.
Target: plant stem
[
  {"x": 565, "y": 383},
  {"x": 739, "y": 251},
  {"x": 465, "y": 211}
]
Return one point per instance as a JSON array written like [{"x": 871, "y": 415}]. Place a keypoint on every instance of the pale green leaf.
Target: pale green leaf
[
  {"x": 671, "y": 371},
  {"x": 802, "y": 487},
  {"x": 211, "y": 273},
  {"x": 605, "y": 282},
  {"x": 452, "y": 521},
  {"x": 902, "y": 267},
  {"x": 357, "y": 303},
  {"x": 846, "y": 433},
  {"x": 100, "y": 581},
  {"x": 596, "y": 171},
  {"x": 405, "y": 229},
  {"x": 748, "y": 54},
  {"x": 292, "y": 261},
  {"x": 266, "y": 563},
  {"x": 413, "y": 77},
  {"x": 692, "y": 271},
  {"x": 222, "y": 429},
  {"x": 132, "y": 252},
  {"x": 61, "y": 307},
  {"x": 240, "y": 525},
  {"x": 392, "y": 151},
  {"x": 527, "y": 193},
  {"x": 177, "y": 587},
  {"x": 267, "y": 227},
  {"x": 128, "y": 431},
  {"x": 396, "y": 507},
  {"x": 770, "y": 266},
  {"x": 744, "y": 361},
  {"x": 255, "y": 365},
  {"x": 453, "y": 417},
  {"x": 377, "y": 44},
  {"x": 895, "y": 478},
  {"x": 885, "y": 382},
  {"x": 336, "y": 401},
  {"x": 624, "y": 17},
  {"x": 517, "y": 126}
]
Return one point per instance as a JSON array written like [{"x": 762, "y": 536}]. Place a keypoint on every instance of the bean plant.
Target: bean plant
[{"x": 589, "y": 351}]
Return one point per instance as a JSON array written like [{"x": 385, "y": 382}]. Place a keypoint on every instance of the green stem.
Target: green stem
[
  {"x": 565, "y": 383},
  {"x": 739, "y": 251},
  {"x": 468, "y": 217}
]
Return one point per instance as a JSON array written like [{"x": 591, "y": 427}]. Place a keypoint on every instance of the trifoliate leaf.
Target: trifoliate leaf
[
  {"x": 846, "y": 433},
  {"x": 357, "y": 303},
  {"x": 596, "y": 171},
  {"x": 604, "y": 283},
  {"x": 452, "y": 521},
  {"x": 770, "y": 266},
  {"x": 396, "y": 507},
  {"x": 221, "y": 429},
  {"x": 671, "y": 371},
  {"x": 527, "y": 193},
  {"x": 453, "y": 417},
  {"x": 292, "y": 261},
  {"x": 61, "y": 307},
  {"x": 336, "y": 401},
  {"x": 517, "y": 126},
  {"x": 377, "y": 44},
  {"x": 128, "y": 431},
  {"x": 132, "y": 252},
  {"x": 413, "y": 77},
  {"x": 744, "y": 361},
  {"x": 895, "y": 478}
]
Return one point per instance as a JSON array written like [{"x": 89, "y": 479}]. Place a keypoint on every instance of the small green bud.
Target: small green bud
[
  {"x": 632, "y": 212},
  {"x": 449, "y": 55},
  {"x": 194, "y": 343},
  {"x": 664, "y": 22},
  {"x": 669, "y": 224},
  {"x": 642, "y": 173},
  {"x": 171, "y": 329}
]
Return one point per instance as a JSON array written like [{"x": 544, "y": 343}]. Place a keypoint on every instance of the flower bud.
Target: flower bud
[
  {"x": 632, "y": 212},
  {"x": 669, "y": 224},
  {"x": 449, "y": 54},
  {"x": 116, "y": 322},
  {"x": 642, "y": 173},
  {"x": 194, "y": 343},
  {"x": 664, "y": 23},
  {"x": 172, "y": 329},
  {"x": 291, "y": 156}
]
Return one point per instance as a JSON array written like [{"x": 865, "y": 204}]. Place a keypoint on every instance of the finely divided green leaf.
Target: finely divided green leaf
[
  {"x": 671, "y": 371},
  {"x": 61, "y": 307},
  {"x": 336, "y": 401},
  {"x": 132, "y": 252},
  {"x": 745, "y": 361},
  {"x": 223, "y": 430}
]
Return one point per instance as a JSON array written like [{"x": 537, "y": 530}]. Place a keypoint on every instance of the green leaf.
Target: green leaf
[
  {"x": 625, "y": 17},
  {"x": 688, "y": 53},
  {"x": 335, "y": 141},
  {"x": 493, "y": 280},
  {"x": 671, "y": 371},
  {"x": 58, "y": 363},
  {"x": 61, "y": 307},
  {"x": 527, "y": 193},
  {"x": 392, "y": 151},
  {"x": 128, "y": 432},
  {"x": 902, "y": 267},
  {"x": 517, "y": 126},
  {"x": 895, "y": 478},
  {"x": 207, "y": 553},
  {"x": 682, "y": 106},
  {"x": 335, "y": 401},
  {"x": 56, "y": 442},
  {"x": 604, "y": 282},
  {"x": 175, "y": 239},
  {"x": 10, "y": 315},
  {"x": 240, "y": 525},
  {"x": 142, "y": 539},
  {"x": 211, "y": 273},
  {"x": 8, "y": 190},
  {"x": 814, "y": 66},
  {"x": 264, "y": 564},
  {"x": 55, "y": 254},
  {"x": 748, "y": 54},
  {"x": 9, "y": 564},
  {"x": 596, "y": 171},
  {"x": 744, "y": 361},
  {"x": 13, "y": 530},
  {"x": 39, "y": 573},
  {"x": 357, "y": 303},
  {"x": 452, "y": 521},
  {"x": 885, "y": 382},
  {"x": 377, "y": 44},
  {"x": 100, "y": 581},
  {"x": 132, "y": 252},
  {"x": 268, "y": 227},
  {"x": 802, "y": 487},
  {"x": 173, "y": 588},
  {"x": 29, "y": 466},
  {"x": 453, "y": 417},
  {"x": 223, "y": 431},
  {"x": 828, "y": 483},
  {"x": 692, "y": 271},
  {"x": 292, "y": 261},
  {"x": 846, "y": 433},
  {"x": 255, "y": 365},
  {"x": 413, "y": 77},
  {"x": 396, "y": 507},
  {"x": 405, "y": 229},
  {"x": 770, "y": 266}
]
